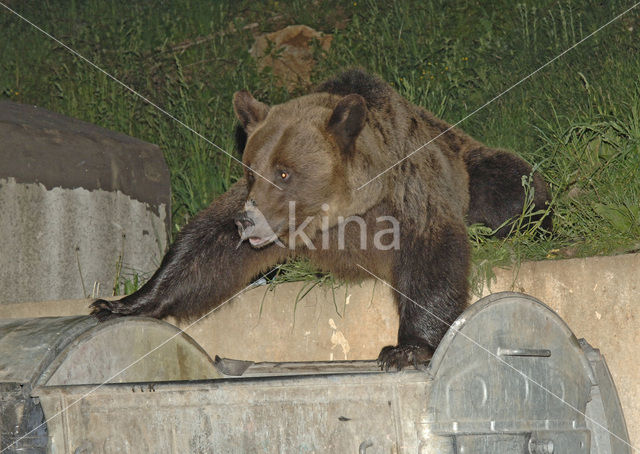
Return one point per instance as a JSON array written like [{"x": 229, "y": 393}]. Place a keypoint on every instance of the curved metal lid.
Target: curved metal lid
[
  {"x": 28, "y": 346},
  {"x": 79, "y": 350},
  {"x": 509, "y": 360}
]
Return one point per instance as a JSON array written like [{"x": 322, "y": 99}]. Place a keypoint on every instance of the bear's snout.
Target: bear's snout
[
  {"x": 243, "y": 222},
  {"x": 246, "y": 225},
  {"x": 253, "y": 226}
]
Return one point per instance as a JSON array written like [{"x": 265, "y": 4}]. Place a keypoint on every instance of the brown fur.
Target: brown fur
[{"x": 319, "y": 149}]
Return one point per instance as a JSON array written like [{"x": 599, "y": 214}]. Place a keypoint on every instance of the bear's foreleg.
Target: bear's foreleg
[
  {"x": 204, "y": 266},
  {"x": 431, "y": 288}
]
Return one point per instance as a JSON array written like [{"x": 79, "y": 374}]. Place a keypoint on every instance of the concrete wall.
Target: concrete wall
[
  {"x": 598, "y": 297},
  {"x": 74, "y": 200},
  {"x": 62, "y": 243}
]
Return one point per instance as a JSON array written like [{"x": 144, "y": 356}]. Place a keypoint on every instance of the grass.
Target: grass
[
  {"x": 578, "y": 119},
  {"x": 304, "y": 271}
]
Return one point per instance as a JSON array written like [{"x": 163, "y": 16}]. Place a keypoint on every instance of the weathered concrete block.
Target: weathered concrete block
[{"x": 74, "y": 198}]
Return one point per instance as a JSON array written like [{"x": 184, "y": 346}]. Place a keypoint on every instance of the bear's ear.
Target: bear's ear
[
  {"x": 249, "y": 111},
  {"x": 347, "y": 120}
]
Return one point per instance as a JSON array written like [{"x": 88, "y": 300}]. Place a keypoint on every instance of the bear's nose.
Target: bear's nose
[{"x": 243, "y": 222}]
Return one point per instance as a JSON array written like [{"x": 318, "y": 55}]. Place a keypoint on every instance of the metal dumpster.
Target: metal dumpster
[{"x": 509, "y": 377}]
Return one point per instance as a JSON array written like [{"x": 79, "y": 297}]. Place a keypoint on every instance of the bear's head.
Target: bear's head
[{"x": 299, "y": 164}]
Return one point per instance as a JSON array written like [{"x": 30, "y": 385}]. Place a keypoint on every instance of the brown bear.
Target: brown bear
[{"x": 332, "y": 176}]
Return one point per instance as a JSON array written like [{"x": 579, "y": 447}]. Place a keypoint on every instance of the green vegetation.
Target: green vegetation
[{"x": 578, "y": 119}]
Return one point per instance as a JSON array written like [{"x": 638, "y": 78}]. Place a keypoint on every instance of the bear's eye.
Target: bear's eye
[
  {"x": 284, "y": 175},
  {"x": 250, "y": 176}
]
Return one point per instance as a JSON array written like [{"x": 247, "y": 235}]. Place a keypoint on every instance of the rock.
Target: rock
[{"x": 289, "y": 53}]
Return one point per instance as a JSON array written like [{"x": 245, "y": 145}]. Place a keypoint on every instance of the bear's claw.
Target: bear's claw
[
  {"x": 401, "y": 356},
  {"x": 105, "y": 310}
]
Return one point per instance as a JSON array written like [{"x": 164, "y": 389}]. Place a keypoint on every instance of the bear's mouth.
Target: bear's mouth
[
  {"x": 253, "y": 227},
  {"x": 258, "y": 242}
]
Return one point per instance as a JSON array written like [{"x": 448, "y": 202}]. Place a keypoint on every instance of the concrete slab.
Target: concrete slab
[{"x": 75, "y": 200}]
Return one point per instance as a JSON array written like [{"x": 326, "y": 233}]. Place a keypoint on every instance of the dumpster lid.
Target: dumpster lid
[
  {"x": 79, "y": 350},
  {"x": 27, "y": 346}
]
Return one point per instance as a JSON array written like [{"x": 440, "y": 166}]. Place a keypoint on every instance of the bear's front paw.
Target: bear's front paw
[
  {"x": 105, "y": 310},
  {"x": 400, "y": 356}
]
